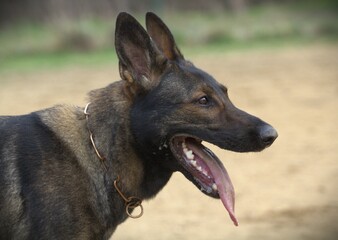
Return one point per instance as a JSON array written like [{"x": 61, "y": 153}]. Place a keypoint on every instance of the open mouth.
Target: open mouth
[{"x": 205, "y": 170}]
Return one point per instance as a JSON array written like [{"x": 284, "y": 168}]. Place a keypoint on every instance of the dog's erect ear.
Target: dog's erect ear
[
  {"x": 139, "y": 59},
  {"x": 162, "y": 36}
]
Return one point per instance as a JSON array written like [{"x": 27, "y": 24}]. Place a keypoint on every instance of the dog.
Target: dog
[{"x": 78, "y": 172}]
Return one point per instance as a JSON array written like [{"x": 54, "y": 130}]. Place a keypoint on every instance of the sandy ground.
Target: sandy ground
[{"x": 289, "y": 191}]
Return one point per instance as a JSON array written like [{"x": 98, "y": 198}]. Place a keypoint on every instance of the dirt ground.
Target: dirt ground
[{"x": 288, "y": 191}]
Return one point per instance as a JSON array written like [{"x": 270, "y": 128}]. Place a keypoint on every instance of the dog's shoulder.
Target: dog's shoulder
[
  {"x": 68, "y": 124},
  {"x": 13, "y": 127},
  {"x": 62, "y": 122}
]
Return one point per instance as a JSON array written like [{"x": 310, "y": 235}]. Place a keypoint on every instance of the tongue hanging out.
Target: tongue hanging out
[{"x": 206, "y": 170}]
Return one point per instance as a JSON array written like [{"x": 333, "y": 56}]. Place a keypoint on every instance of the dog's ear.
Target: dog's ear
[
  {"x": 162, "y": 36},
  {"x": 139, "y": 59}
]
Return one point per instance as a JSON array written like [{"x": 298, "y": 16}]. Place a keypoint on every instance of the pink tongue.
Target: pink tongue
[
  {"x": 225, "y": 190},
  {"x": 222, "y": 179}
]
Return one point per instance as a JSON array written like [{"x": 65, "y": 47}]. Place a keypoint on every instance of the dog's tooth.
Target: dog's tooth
[
  {"x": 205, "y": 172},
  {"x": 214, "y": 186},
  {"x": 184, "y": 145},
  {"x": 189, "y": 154},
  {"x": 194, "y": 163},
  {"x": 199, "y": 168},
  {"x": 165, "y": 145}
]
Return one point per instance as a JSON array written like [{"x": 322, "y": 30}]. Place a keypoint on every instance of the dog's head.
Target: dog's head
[{"x": 176, "y": 106}]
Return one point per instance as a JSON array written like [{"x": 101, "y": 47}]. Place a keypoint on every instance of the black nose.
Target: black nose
[{"x": 268, "y": 135}]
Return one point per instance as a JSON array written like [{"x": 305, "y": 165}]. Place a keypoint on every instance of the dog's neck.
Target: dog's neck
[{"x": 110, "y": 123}]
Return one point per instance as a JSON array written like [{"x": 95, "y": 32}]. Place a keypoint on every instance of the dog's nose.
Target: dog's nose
[{"x": 268, "y": 135}]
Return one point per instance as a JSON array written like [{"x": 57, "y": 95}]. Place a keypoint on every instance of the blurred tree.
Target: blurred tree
[
  {"x": 238, "y": 5},
  {"x": 13, "y": 11}
]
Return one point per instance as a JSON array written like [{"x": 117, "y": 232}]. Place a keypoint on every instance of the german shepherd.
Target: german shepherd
[{"x": 76, "y": 173}]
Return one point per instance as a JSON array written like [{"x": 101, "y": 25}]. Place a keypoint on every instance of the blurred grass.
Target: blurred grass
[{"x": 90, "y": 41}]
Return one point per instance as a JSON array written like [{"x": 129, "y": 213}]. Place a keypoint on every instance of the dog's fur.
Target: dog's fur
[{"x": 53, "y": 186}]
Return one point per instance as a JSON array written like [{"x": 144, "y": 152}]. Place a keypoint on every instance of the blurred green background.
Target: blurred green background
[{"x": 48, "y": 33}]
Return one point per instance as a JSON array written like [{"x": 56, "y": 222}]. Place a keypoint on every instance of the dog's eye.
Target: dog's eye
[{"x": 203, "y": 100}]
